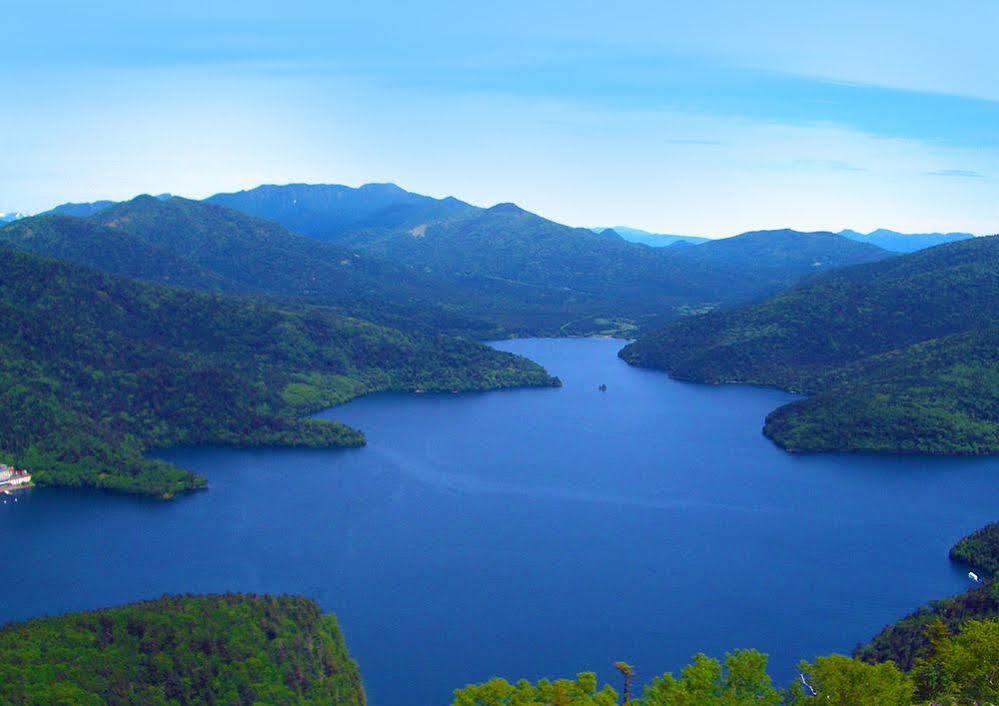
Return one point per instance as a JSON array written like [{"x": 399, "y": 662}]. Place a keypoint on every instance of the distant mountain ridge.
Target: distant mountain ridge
[
  {"x": 12, "y": 216},
  {"x": 904, "y": 242},
  {"x": 655, "y": 240},
  {"x": 325, "y": 211}
]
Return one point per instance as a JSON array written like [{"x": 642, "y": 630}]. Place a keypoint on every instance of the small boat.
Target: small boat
[{"x": 974, "y": 577}]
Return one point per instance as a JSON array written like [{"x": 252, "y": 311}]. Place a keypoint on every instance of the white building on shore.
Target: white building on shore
[{"x": 12, "y": 478}]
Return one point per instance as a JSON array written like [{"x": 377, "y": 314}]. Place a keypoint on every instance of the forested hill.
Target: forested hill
[
  {"x": 852, "y": 336},
  {"x": 778, "y": 258},
  {"x": 226, "y": 649},
  {"x": 204, "y": 246},
  {"x": 85, "y": 391}
]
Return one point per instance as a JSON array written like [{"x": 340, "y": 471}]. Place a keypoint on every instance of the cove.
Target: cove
[{"x": 531, "y": 532}]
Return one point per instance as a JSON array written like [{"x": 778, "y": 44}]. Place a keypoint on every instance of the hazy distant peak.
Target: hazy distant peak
[
  {"x": 655, "y": 240},
  {"x": 81, "y": 210},
  {"x": 506, "y": 207},
  {"x": 384, "y": 188},
  {"x": 903, "y": 242},
  {"x": 786, "y": 233}
]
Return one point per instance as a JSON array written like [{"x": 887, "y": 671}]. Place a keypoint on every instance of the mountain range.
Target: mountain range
[
  {"x": 533, "y": 275},
  {"x": 891, "y": 240},
  {"x": 904, "y": 242},
  {"x": 422, "y": 263}
]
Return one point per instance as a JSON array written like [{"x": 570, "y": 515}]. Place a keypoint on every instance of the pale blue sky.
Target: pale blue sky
[{"x": 703, "y": 118}]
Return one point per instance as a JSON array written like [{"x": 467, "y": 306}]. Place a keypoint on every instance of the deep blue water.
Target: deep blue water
[{"x": 531, "y": 532}]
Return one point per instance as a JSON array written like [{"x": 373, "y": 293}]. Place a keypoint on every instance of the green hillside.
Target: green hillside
[
  {"x": 936, "y": 397},
  {"x": 226, "y": 649},
  {"x": 862, "y": 340},
  {"x": 203, "y": 246},
  {"x": 86, "y": 390}
]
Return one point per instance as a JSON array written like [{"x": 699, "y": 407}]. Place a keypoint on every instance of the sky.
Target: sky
[{"x": 707, "y": 118}]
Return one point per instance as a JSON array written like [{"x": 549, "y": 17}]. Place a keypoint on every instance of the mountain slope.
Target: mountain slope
[
  {"x": 117, "y": 252},
  {"x": 587, "y": 272},
  {"x": 86, "y": 390},
  {"x": 775, "y": 259},
  {"x": 939, "y": 397},
  {"x": 854, "y": 336},
  {"x": 904, "y": 242},
  {"x": 204, "y": 246},
  {"x": 225, "y": 649}
]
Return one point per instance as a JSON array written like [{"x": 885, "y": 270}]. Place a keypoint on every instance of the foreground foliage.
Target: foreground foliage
[
  {"x": 947, "y": 653},
  {"x": 900, "y": 355},
  {"x": 962, "y": 669},
  {"x": 96, "y": 370},
  {"x": 230, "y": 649}
]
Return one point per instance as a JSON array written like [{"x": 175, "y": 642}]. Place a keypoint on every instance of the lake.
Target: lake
[{"x": 531, "y": 532}]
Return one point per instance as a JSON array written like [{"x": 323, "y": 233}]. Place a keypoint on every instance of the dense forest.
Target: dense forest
[
  {"x": 204, "y": 246},
  {"x": 945, "y": 653},
  {"x": 227, "y": 649},
  {"x": 962, "y": 668},
  {"x": 85, "y": 391},
  {"x": 901, "y": 355},
  {"x": 936, "y": 397}
]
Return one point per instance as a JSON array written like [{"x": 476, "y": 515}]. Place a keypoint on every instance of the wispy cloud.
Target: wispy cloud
[
  {"x": 829, "y": 164},
  {"x": 691, "y": 141},
  {"x": 959, "y": 173}
]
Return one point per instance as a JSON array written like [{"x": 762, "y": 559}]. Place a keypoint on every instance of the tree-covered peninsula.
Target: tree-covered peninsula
[
  {"x": 900, "y": 355},
  {"x": 96, "y": 370},
  {"x": 226, "y": 649}
]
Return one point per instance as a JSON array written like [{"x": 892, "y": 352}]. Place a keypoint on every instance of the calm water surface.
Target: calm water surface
[{"x": 531, "y": 532}]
